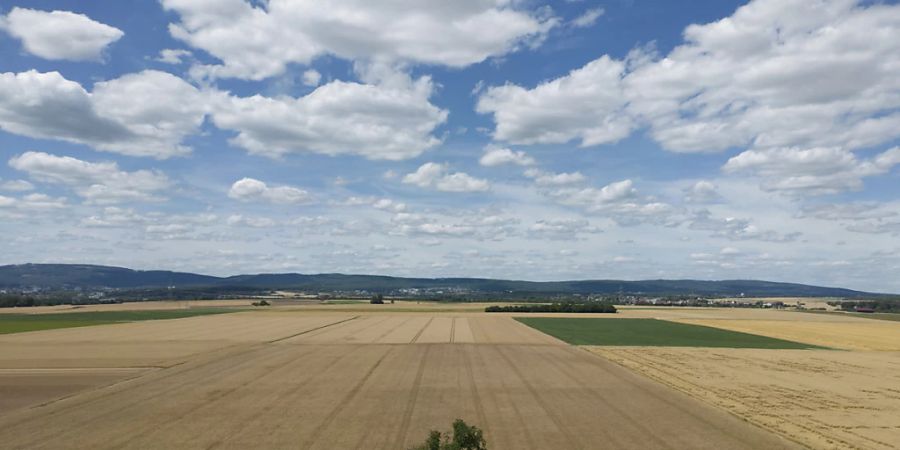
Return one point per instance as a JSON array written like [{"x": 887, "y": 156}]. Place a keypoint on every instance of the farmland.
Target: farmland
[
  {"x": 650, "y": 332},
  {"x": 364, "y": 378},
  {"x": 17, "y": 323},
  {"x": 820, "y": 398}
]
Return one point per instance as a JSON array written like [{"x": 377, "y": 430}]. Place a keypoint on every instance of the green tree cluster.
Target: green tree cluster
[{"x": 555, "y": 308}]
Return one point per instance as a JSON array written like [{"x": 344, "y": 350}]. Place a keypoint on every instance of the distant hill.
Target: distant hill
[{"x": 71, "y": 276}]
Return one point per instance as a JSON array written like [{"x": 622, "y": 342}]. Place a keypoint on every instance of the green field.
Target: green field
[
  {"x": 650, "y": 332},
  {"x": 18, "y": 323}
]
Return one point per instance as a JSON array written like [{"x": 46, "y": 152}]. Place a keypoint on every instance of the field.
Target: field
[
  {"x": 820, "y": 398},
  {"x": 17, "y": 323},
  {"x": 650, "y": 332},
  {"x": 361, "y": 378},
  {"x": 849, "y": 334},
  {"x": 354, "y": 375}
]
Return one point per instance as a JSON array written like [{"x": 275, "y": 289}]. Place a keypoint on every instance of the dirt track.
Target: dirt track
[{"x": 338, "y": 382}]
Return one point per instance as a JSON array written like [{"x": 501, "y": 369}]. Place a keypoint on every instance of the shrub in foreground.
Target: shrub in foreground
[
  {"x": 555, "y": 308},
  {"x": 465, "y": 437}
]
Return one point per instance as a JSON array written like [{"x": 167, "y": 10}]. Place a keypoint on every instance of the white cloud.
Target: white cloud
[
  {"x": 737, "y": 229},
  {"x": 858, "y": 217},
  {"x": 777, "y": 73},
  {"x": 814, "y": 170},
  {"x": 587, "y": 105},
  {"x": 619, "y": 201},
  {"x": 249, "y": 189},
  {"x": 564, "y": 229},
  {"x": 32, "y": 203},
  {"x": 16, "y": 186},
  {"x": 59, "y": 34},
  {"x": 99, "y": 183},
  {"x": 498, "y": 156},
  {"x": 143, "y": 114},
  {"x": 433, "y": 175},
  {"x": 173, "y": 55},
  {"x": 542, "y": 178},
  {"x": 386, "y": 204},
  {"x": 702, "y": 192},
  {"x": 375, "y": 121},
  {"x": 237, "y": 220},
  {"x": 595, "y": 198},
  {"x": 588, "y": 18},
  {"x": 38, "y": 201},
  {"x": 6, "y": 202},
  {"x": 256, "y": 42},
  {"x": 311, "y": 77}
]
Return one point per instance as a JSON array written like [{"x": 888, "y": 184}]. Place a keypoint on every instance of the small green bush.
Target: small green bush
[{"x": 465, "y": 437}]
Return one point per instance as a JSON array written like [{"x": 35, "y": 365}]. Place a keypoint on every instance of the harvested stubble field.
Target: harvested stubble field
[
  {"x": 820, "y": 398},
  {"x": 326, "y": 380},
  {"x": 846, "y": 332}
]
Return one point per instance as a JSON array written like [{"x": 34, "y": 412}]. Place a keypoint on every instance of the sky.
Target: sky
[{"x": 517, "y": 139}]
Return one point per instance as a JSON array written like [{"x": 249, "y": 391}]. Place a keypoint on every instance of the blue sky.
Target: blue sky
[{"x": 512, "y": 139}]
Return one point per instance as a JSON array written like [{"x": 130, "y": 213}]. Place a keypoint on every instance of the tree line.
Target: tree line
[{"x": 554, "y": 308}]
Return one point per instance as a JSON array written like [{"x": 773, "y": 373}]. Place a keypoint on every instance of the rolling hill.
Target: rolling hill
[{"x": 77, "y": 276}]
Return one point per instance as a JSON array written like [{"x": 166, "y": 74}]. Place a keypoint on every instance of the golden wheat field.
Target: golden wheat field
[{"x": 820, "y": 398}]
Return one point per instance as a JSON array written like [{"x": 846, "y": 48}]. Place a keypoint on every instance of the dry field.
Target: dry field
[
  {"x": 130, "y": 306},
  {"x": 327, "y": 380},
  {"x": 821, "y": 398},
  {"x": 842, "y": 332}
]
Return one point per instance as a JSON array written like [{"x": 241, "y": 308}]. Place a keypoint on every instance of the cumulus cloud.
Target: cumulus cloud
[
  {"x": 19, "y": 208},
  {"x": 586, "y": 105},
  {"x": 562, "y": 229},
  {"x": 386, "y": 204},
  {"x": 238, "y": 220},
  {"x": 59, "y": 34},
  {"x": 151, "y": 113},
  {"x": 173, "y": 55},
  {"x": 542, "y": 178},
  {"x": 256, "y": 42},
  {"x": 98, "y": 183},
  {"x": 311, "y": 77},
  {"x": 376, "y": 121},
  {"x": 148, "y": 113},
  {"x": 478, "y": 224},
  {"x": 619, "y": 201},
  {"x": 825, "y": 170},
  {"x": 702, "y": 192},
  {"x": 16, "y": 186},
  {"x": 775, "y": 74},
  {"x": 595, "y": 198},
  {"x": 249, "y": 189},
  {"x": 858, "y": 217},
  {"x": 498, "y": 156},
  {"x": 736, "y": 229},
  {"x": 434, "y": 175}
]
